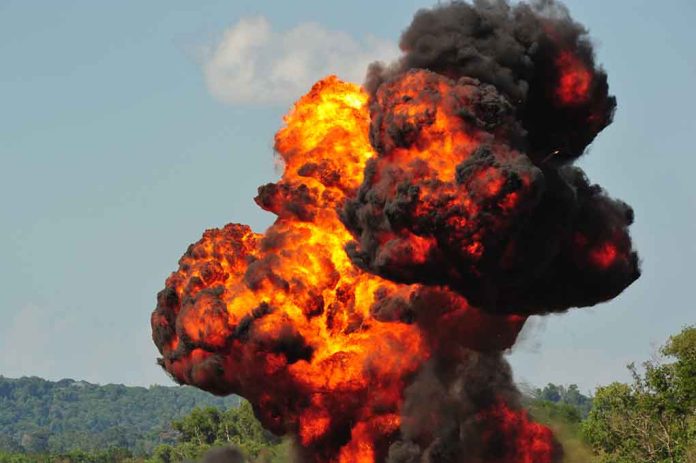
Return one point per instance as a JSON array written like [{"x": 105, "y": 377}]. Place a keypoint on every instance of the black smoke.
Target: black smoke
[
  {"x": 516, "y": 49},
  {"x": 547, "y": 239}
]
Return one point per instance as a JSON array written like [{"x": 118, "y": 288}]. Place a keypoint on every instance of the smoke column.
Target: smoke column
[{"x": 421, "y": 220}]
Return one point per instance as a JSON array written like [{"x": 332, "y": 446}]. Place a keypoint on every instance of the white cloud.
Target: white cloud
[{"x": 254, "y": 64}]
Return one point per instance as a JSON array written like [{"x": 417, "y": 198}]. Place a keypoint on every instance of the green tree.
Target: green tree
[
  {"x": 551, "y": 393},
  {"x": 653, "y": 419},
  {"x": 207, "y": 428},
  {"x": 201, "y": 426},
  {"x": 570, "y": 395}
]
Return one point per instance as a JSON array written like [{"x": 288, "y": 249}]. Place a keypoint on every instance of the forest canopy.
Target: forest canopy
[{"x": 45, "y": 416}]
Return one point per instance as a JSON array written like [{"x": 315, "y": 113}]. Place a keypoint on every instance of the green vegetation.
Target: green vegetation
[
  {"x": 651, "y": 420},
  {"x": 565, "y": 422},
  {"x": 207, "y": 428},
  {"x": 562, "y": 409},
  {"x": 75, "y": 456},
  {"x": 197, "y": 433},
  {"x": 570, "y": 396},
  {"x": 39, "y": 416}
]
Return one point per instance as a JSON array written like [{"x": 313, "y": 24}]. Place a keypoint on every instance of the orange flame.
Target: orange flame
[{"x": 284, "y": 318}]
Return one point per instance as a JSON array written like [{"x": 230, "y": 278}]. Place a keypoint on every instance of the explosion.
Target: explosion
[{"x": 420, "y": 220}]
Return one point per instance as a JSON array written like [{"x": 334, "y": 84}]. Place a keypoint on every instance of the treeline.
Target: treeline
[
  {"x": 567, "y": 398},
  {"x": 650, "y": 420},
  {"x": 200, "y": 434},
  {"x": 46, "y": 417}
]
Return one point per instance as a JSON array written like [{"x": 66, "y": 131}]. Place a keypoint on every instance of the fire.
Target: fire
[
  {"x": 524, "y": 441},
  {"x": 325, "y": 139},
  {"x": 575, "y": 79},
  {"x": 435, "y": 127},
  {"x": 284, "y": 318},
  {"x": 601, "y": 254},
  {"x": 605, "y": 255},
  {"x": 288, "y": 309},
  {"x": 420, "y": 221}
]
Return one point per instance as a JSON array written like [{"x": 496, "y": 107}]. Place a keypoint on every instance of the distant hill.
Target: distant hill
[
  {"x": 41, "y": 417},
  {"x": 46, "y": 416}
]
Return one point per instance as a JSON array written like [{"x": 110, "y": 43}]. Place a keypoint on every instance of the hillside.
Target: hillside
[{"x": 39, "y": 416}]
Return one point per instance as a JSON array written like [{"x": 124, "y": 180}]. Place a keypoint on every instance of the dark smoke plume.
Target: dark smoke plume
[
  {"x": 545, "y": 239},
  {"x": 522, "y": 51}
]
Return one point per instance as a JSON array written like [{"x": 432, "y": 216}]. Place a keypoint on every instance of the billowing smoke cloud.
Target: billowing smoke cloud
[
  {"x": 534, "y": 54},
  {"x": 502, "y": 216},
  {"x": 420, "y": 221}
]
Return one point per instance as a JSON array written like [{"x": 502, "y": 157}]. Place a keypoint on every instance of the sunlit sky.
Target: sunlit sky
[{"x": 121, "y": 141}]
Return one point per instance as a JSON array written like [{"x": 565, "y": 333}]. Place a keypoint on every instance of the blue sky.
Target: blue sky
[{"x": 120, "y": 142}]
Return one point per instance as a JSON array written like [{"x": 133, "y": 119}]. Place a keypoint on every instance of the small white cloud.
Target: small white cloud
[{"x": 254, "y": 64}]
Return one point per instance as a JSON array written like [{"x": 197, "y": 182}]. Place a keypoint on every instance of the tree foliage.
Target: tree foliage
[
  {"x": 565, "y": 421},
  {"x": 39, "y": 416},
  {"x": 207, "y": 428},
  {"x": 74, "y": 456},
  {"x": 653, "y": 419},
  {"x": 568, "y": 395}
]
